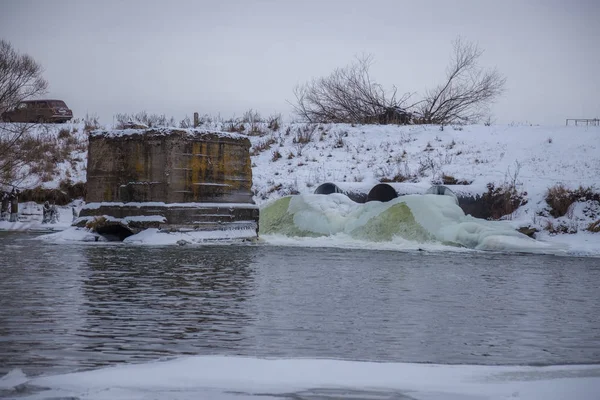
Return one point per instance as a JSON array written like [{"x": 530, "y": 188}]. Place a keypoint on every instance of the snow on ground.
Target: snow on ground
[
  {"x": 31, "y": 215},
  {"x": 541, "y": 156},
  {"x": 296, "y": 158},
  {"x": 69, "y": 144},
  {"x": 218, "y": 377}
]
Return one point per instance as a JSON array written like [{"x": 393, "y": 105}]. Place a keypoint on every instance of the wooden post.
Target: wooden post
[{"x": 196, "y": 120}]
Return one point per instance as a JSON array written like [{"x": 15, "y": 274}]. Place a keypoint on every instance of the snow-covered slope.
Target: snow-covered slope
[
  {"x": 296, "y": 158},
  {"x": 540, "y": 157}
]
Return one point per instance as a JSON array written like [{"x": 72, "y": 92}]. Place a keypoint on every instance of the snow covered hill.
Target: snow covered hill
[{"x": 296, "y": 158}]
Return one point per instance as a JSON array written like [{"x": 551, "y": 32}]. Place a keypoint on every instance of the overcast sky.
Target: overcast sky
[{"x": 227, "y": 56}]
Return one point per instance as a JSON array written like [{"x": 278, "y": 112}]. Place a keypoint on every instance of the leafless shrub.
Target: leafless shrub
[
  {"x": 304, "y": 134},
  {"x": 560, "y": 227},
  {"x": 276, "y": 155},
  {"x": 263, "y": 145},
  {"x": 251, "y": 116},
  {"x": 186, "y": 123},
  {"x": 395, "y": 173},
  {"x": 91, "y": 123},
  {"x": 338, "y": 142},
  {"x": 235, "y": 126},
  {"x": 349, "y": 95},
  {"x": 450, "y": 180},
  {"x": 503, "y": 199},
  {"x": 274, "y": 122},
  {"x": 467, "y": 91},
  {"x": 559, "y": 198},
  {"x": 125, "y": 121}
]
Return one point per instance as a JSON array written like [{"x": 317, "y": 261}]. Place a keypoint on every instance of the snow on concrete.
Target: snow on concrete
[
  {"x": 219, "y": 377},
  {"x": 163, "y": 131},
  {"x": 153, "y": 204}
]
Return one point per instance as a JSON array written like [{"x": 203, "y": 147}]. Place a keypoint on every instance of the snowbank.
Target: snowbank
[{"x": 219, "y": 377}]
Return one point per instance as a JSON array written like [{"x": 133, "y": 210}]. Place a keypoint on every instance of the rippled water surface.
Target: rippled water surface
[{"x": 71, "y": 307}]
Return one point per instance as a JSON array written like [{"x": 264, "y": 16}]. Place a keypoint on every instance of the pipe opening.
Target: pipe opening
[
  {"x": 327, "y": 188},
  {"x": 114, "y": 232},
  {"x": 382, "y": 192}
]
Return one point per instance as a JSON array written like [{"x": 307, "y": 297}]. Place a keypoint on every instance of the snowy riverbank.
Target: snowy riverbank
[{"x": 296, "y": 158}]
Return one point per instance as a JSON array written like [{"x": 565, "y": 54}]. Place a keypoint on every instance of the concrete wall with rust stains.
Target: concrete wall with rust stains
[{"x": 171, "y": 166}]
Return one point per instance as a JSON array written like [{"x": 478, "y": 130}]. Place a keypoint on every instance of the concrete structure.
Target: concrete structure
[{"x": 170, "y": 179}]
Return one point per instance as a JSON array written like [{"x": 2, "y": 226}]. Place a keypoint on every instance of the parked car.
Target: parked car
[{"x": 39, "y": 111}]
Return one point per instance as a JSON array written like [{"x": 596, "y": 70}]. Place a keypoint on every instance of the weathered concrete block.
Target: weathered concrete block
[{"x": 180, "y": 171}]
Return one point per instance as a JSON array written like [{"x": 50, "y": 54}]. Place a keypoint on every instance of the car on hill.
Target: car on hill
[{"x": 38, "y": 111}]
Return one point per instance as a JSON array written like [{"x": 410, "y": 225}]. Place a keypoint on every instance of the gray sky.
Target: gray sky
[{"x": 227, "y": 56}]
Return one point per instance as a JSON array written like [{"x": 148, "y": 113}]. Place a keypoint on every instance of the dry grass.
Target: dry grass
[
  {"x": 94, "y": 223},
  {"x": 276, "y": 155},
  {"x": 261, "y": 146},
  {"x": 560, "y": 198},
  {"x": 143, "y": 118},
  {"x": 450, "y": 180},
  {"x": 304, "y": 134},
  {"x": 594, "y": 227},
  {"x": 503, "y": 199}
]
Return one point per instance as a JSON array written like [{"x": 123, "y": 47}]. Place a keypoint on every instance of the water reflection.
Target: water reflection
[{"x": 145, "y": 302}]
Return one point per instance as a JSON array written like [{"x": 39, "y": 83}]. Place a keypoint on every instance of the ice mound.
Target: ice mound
[{"x": 417, "y": 218}]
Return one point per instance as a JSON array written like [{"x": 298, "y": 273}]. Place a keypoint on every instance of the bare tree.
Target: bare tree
[
  {"x": 347, "y": 95},
  {"x": 466, "y": 93},
  {"x": 20, "y": 78}
]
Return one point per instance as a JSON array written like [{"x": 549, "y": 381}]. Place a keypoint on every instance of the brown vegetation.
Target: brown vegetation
[
  {"x": 503, "y": 199},
  {"x": 560, "y": 198}
]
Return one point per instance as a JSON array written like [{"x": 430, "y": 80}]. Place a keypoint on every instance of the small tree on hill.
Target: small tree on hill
[
  {"x": 20, "y": 79},
  {"x": 466, "y": 93},
  {"x": 349, "y": 95}
]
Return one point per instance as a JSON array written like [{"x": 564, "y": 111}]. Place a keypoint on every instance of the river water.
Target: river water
[{"x": 79, "y": 306}]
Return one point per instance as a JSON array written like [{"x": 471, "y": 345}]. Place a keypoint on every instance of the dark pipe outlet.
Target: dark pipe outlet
[
  {"x": 114, "y": 232},
  {"x": 382, "y": 192},
  {"x": 327, "y": 188}
]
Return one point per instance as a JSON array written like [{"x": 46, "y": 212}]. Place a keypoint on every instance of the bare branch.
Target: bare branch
[
  {"x": 348, "y": 95},
  {"x": 467, "y": 91},
  {"x": 20, "y": 79}
]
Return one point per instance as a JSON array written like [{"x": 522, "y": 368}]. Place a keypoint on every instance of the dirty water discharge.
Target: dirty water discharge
[{"x": 70, "y": 307}]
